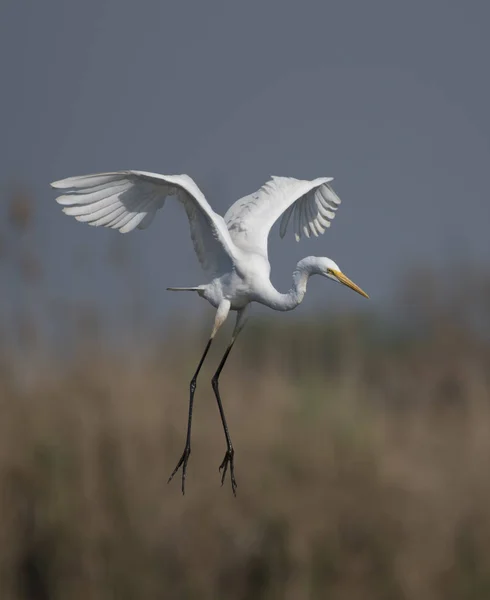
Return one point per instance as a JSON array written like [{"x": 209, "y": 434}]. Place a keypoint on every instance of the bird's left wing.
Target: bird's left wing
[
  {"x": 311, "y": 206},
  {"x": 126, "y": 200}
]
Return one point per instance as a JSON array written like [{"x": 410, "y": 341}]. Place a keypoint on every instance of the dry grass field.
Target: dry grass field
[{"x": 362, "y": 455}]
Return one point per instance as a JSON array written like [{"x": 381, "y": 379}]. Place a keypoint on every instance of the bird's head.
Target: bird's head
[{"x": 328, "y": 268}]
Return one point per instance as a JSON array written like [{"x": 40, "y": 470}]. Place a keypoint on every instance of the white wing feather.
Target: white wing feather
[
  {"x": 126, "y": 200},
  {"x": 310, "y": 205}
]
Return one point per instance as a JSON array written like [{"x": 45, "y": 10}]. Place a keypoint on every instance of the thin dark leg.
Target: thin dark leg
[
  {"x": 230, "y": 453},
  {"x": 187, "y": 450}
]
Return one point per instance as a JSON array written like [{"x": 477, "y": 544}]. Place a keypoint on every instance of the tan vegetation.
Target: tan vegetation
[{"x": 362, "y": 457}]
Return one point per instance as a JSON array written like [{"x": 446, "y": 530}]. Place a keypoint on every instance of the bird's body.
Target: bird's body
[
  {"x": 232, "y": 249},
  {"x": 249, "y": 282},
  {"x": 240, "y": 286}
]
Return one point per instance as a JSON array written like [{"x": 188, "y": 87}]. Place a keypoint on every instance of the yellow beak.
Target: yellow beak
[{"x": 346, "y": 281}]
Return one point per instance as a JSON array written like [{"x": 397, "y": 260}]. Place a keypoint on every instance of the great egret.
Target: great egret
[{"x": 233, "y": 249}]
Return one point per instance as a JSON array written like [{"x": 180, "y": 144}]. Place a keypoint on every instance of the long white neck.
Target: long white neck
[{"x": 304, "y": 269}]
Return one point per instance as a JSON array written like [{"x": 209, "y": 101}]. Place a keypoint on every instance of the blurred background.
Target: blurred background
[{"x": 361, "y": 429}]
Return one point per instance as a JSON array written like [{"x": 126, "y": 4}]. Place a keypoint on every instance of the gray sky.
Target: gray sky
[{"x": 390, "y": 98}]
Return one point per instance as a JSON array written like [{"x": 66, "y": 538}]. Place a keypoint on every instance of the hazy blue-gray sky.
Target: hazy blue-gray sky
[{"x": 390, "y": 98}]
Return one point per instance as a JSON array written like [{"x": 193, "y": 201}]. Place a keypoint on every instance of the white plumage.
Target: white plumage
[
  {"x": 126, "y": 200},
  {"x": 232, "y": 249},
  {"x": 311, "y": 203}
]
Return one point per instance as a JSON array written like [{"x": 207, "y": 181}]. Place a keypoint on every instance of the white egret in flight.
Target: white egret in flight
[{"x": 233, "y": 249}]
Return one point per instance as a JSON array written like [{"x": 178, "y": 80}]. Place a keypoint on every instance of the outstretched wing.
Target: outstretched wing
[
  {"x": 125, "y": 200},
  {"x": 311, "y": 205}
]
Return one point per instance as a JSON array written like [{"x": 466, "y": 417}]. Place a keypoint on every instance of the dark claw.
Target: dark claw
[
  {"x": 228, "y": 460},
  {"x": 184, "y": 459}
]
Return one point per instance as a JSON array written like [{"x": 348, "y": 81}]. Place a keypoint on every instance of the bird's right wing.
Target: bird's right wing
[
  {"x": 311, "y": 205},
  {"x": 125, "y": 200}
]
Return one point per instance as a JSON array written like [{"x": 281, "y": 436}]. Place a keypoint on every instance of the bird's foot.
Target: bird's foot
[
  {"x": 228, "y": 460},
  {"x": 184, "y": 459}
]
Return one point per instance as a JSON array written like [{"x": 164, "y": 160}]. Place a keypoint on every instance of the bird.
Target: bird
[{"x": 232, "y": 250}]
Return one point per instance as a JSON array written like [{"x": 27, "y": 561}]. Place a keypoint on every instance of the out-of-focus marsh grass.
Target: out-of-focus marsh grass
[{"x": 362, "y": 455}]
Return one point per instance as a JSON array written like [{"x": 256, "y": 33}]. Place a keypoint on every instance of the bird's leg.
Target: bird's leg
[
  {"x": 187, "y": 449},
  {"x": 221, "y": 314},
  {"x": 229, "y": 456}
]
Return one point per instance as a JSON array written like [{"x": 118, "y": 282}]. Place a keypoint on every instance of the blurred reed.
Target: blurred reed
[{"x": 362, "y": 453}]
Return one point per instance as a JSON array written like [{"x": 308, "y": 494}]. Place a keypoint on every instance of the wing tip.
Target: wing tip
[{"x": 59, "y": 184}]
